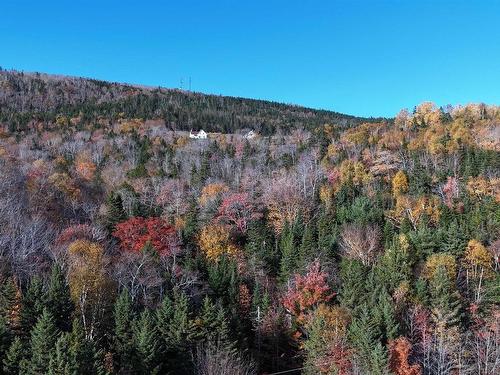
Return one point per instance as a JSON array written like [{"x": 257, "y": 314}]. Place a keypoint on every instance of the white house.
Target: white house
[
  {"x": 251, "y": 134},
  {"x": 200, "y": 135}
]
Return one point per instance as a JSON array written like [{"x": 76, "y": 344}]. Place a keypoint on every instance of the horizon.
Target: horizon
[{"x": 356, "y": 58}]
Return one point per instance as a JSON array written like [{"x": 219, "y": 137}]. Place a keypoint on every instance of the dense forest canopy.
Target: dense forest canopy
[
  {"x": 34, "y": 99},
  {"x": 325, "y": 244}
]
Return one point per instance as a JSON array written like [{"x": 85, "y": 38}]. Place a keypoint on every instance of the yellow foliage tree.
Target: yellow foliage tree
[
  {"x": 214, "y": 242},
  {"x": 436, "y": 261},
  {"x": 481, "y": 187},
  {"x": 90, "y": 288},
  {"x": 399, "y": 184},
  {"x": 354, "y": 172},
  {"x": 478, "y": 261},
  {"x": 211, "y": 191}
]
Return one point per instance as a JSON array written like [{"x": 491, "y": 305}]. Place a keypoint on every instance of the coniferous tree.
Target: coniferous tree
[
  {"x": 42, "y": 343},
  {"x": 4, "y": 336},
  {"x": 115, "y": 212},
  {"x": 147, "y": 345},
  {"x": 33, "y": 304},
  {"x": 307, "y": 246},
  {"x": 445, "y": 299},
  {"x": 289, "y": 253},
  {"x": 14, "y": 357},
  {"x": 123, "y": 344},
  {"x": 58, "y": 299}
]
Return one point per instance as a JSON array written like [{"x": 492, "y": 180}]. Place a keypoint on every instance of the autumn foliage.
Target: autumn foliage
[
  {"x": 136, "y": 232},
  {"x": 307, "y": 292},
  {"x": 399, "y": 352}
]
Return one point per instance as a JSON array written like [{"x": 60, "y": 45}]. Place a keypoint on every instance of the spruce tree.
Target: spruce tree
[
  {"x": 43, "y": 340},
  {"x": 58, "y": 299},
  {"x": 32, "y": 305},
  {"x": 60, "y": 361},
  {"x": 14, "y": 357},
  {"x": 123, "y": 344},
  {"x": 445, "y": 300},
  {"x": 147, "y": 344},
  {"x": 4, "y": 336},
  {"x": 289, "y": 253},
  {"x": 115, "y": 212},
  {"x": 307, "y": 246}
]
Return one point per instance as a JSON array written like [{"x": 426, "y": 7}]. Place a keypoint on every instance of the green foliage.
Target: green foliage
[
  {"x": 42, "y": 343},
  {"x": 14, "y": 357},
  {"x": 58, "y": 299},
  {"x": 123, "y": 344},
  {"x": 147, "y": 344}
]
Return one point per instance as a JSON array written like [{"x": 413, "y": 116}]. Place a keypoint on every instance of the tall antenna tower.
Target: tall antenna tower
[{"x": 189, "y": 83}]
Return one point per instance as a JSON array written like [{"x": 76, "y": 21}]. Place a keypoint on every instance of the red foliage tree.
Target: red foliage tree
[
  {"x": 307, "y": 292},
  {"x": 399, "y": 351},
  {"x": 136, "y": 232},
  {"x": 237, "y": 210}
]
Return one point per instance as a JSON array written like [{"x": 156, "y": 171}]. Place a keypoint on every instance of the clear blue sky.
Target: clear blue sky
[{"x": 352, "y": 56}]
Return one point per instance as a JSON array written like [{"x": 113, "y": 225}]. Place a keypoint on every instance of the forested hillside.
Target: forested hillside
[
  {"x": 327, "y": 243},
  {"x": 40, "y": 100}
]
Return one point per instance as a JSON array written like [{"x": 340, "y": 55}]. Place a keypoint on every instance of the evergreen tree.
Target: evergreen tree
[
  {"x": 32, "y": 305},
  {"x": 260, "y": 243},
  {"x": 123, "y": 344},
  {"x": 445, "y": 300},
  {"x": 43, "y": 340},
  {"x": 58, "y": 299},
  {"x": 147, "y": 344},
  {"x": 60, "y": 361},
  {"x": 289, "y": 253},
  {"x": 4, "y": 336},
  {"x": 326, "y": 232},
  {"x": 365, "y": 335},
  {"x": 14, "y": 357},
  {"x": 353, "y": 275},
  {"x": 115, "y": 212},
  {"x": 307, "y": 250}
]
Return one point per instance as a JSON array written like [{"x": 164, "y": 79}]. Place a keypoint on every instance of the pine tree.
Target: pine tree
[
  {"x": 365, "y": 337},
  {"x": 60, "y": 360},
  {"x": 58, "y": 299},
  {"x": 14, "y": 357},
  {"x": 307, "y": 246},
  {"x": 115, "y": 212},
  {"x": 43, "y": 340},
  {"x": 123, "y": 344},
  {"x": 260, "y": 243},
  {"x": 147, "y": 344},
  {"x": 445, "y": 300},
  {"x": 32, "y": 305},
  {"x": 326, "y": 232},
  {"x": 353, "y": 275},
  {"x": 214, "y": 325},
  {"x": 289, "y": 253},
  {"x": 4, "y": 336}
]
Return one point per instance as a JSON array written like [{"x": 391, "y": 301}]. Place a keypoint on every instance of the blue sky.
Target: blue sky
[{"x": 352, "y": 56}]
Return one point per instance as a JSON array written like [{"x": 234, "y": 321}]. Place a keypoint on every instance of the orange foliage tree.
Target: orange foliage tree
[
  {"x": 307, "y": 292},
  {"x": 136, "y": 232},
  {"x": 399, "y": 352},
  {"x": 214, "y": 241}
]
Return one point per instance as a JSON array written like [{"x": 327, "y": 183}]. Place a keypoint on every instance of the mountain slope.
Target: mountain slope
[{"x": 25, "y": 97}]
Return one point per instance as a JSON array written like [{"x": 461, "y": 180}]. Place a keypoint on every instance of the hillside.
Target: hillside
[
  {"x": 326, "y": 244},
  {"x": 31, "y": 97}
]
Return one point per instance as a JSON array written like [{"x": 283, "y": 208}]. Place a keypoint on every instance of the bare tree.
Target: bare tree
[{"x": 361, "y": 242}]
